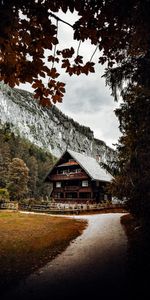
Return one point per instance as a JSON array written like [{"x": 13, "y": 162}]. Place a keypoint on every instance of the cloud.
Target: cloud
[
  {"x": 87, "y": 93},
  {"x": 89, "y": 102},
  {"x": 102, "y": 122},
  {"x": 87, "y": 99}
]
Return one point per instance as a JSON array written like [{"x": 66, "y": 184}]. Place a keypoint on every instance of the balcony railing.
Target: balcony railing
[
  {"x": 68, "y": 176},
  {"x": 71, "y": 188}
]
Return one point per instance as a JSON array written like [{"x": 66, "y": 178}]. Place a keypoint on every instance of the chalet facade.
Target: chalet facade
[{"x": 78, "y": 178}]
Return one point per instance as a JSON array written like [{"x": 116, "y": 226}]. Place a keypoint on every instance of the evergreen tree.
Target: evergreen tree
[
  {"x": 37, "y": 160},
  {"x": 5, "y": 158},
  {"x": 17, "y": 179},
  {"x": 132, "y": 180},
  {"x": 33, "y": 176}
]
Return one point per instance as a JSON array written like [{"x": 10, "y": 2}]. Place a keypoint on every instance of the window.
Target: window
[
  {"x": 59, "y": 195},
  {"x": 85, "y": 195},
  {"x": 85, "y": 183},
  {"x": 66, "y": 171},
  {"x": 58, "y": 184},
  {"x": 71, "y": 195},
  {"x": 78, "y": 170},
  {"x": 105, "y": 197}
]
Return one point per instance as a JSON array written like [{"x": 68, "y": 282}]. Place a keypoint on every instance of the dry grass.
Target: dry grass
[{"x": 28, "y": 241}]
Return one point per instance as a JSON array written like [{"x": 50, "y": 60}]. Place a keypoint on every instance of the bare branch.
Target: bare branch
[
  {"x": 55, "y": 44},
  {"x": 78, "y": 48},
  {"x": 94, "y": 53},
  {"x": 58, "y": 19}
]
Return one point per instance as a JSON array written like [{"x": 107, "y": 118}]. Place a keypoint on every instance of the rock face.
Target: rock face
[{"x": 48, "y": 128}]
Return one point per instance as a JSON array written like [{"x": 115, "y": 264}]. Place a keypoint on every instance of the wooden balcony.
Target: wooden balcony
[
  {"x": 70, "y": 176},
  {"x": 72, "y": 189}
]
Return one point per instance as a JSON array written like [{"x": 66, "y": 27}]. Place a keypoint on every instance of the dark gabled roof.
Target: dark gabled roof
[{"x": 90, "y": 166}]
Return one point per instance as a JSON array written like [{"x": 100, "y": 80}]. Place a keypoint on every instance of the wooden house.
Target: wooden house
[{"x": 78, "y": 178}]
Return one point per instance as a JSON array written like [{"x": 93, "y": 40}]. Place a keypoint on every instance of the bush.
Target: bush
[{"x": 4, "y": 195}]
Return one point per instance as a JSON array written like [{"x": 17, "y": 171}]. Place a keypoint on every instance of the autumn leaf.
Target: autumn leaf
[
  {"x": 51, "y": 83},
  {"x": 42, "y": 74},
  {"x": 65, "y": 63},
  {"x": 67, "y": 53},
  {"x": 79, "y": 59},
  {"x": 53, "y": 58},
  {"x": 53, "y": 73},
  {"x": 45, "y": 102},
  {"x": 56, "y": 98},
  {"x": 37, "y": 84}
]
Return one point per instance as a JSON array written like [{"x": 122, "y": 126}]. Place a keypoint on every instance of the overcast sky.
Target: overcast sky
[{"x": 87, "y": 100}]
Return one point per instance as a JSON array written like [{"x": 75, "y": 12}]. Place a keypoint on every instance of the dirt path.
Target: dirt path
[{"x": 94, "y": 264}]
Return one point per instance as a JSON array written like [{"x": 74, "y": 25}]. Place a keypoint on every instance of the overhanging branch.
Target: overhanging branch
[{"x": 59, "y": 19}]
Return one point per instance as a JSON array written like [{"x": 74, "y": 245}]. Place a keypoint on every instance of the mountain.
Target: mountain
[{"x": 48, "y": 128}]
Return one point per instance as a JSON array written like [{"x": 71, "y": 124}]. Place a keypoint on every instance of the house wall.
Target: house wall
[
  {"x": 74, "y": 192},
  {"x": 72, "y": 183}
]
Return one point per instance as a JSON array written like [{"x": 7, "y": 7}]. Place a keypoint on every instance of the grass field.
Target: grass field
[{"x": 28, "y": 241}]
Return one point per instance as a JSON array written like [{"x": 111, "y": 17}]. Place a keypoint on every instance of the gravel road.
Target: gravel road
[{"x": 92, "y": 267}]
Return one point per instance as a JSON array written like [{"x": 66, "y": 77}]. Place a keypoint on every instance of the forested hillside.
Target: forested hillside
[{"x": 37, "y": 161}]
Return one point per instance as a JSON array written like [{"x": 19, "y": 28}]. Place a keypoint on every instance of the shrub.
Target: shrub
[{"x": 4, "y": 195}]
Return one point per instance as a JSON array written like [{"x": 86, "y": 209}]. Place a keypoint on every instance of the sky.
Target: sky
[{"x": 87, "y": 99}]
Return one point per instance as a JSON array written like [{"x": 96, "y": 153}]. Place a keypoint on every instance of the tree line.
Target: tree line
[{"x": 23, "y": 167}]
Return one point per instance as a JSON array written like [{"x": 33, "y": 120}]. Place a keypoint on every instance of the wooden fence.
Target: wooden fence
[
  {"x": 67, "y": 208},
  {"x": 9, "y": 205}
]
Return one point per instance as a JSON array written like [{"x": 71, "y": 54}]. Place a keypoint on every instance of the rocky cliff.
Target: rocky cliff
[{"x": 47, "y": 128}]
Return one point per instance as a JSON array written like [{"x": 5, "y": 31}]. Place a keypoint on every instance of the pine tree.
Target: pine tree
[
  {"x": 33, "y": 176},
  {"x": 18, "y": 176},
  {"x": 5, "y": 158},
  {"x": 132, "y": 180}
]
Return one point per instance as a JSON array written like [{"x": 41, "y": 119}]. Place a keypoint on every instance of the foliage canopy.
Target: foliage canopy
[{"x": 119, "y": 29}]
